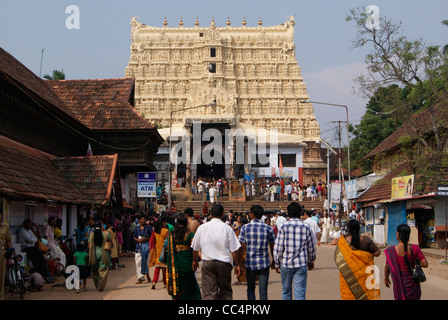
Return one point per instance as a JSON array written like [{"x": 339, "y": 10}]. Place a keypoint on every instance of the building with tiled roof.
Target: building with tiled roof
[
  {"x": 46, "y": 128},
  {"x": 97, "y": 177},
  {"x": 423, "y": 210}
]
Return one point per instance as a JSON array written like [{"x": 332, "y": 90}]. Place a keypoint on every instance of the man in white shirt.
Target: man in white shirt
[
  {"x": 55, "y": 251},
  {"x": 218, "y": 244},
  {"x": 280, "y": 220},
  {"x": 315, "y": 229},
  {"x": 212, "y": 192},
  {"x": 307, "y": 218},
  {"x": 201, "y": 187},
  {"x": 289, "y": 191}
]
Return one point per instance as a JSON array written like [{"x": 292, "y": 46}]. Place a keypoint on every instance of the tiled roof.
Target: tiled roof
[
  {"x": 382, "y": 189},
  {"x": 28, "y": 173},
  {"x": 418, "y": 124},
  {"x": 93, "y": 175},
  {"x": 101, "y": 104},
  {"x": 26, "y": 80},
  {"x": 31, "y": 174}
]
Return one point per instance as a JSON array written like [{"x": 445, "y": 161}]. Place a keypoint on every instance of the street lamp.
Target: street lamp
[
  {"x": 212, "y": 104},
  {"x": 348, "y": 133},
  {"x": 341, "y": 210}
]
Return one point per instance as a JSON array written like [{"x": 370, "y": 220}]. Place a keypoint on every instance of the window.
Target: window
[
  {"x": 212, "y": 52},
  {"x": 212, "y": 68},
  {"x": 288, "y": 160}
]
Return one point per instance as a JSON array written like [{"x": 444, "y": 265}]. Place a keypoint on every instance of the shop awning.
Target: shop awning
[{"x": 426, "y": 201}]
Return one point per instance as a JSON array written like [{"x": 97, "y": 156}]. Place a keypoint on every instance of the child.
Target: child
[
  {"x": 36, "y": 280},
  {"x": 81, "y": 261}
]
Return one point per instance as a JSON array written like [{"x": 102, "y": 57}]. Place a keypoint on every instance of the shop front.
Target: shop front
[{"x": 420, "y": 216}]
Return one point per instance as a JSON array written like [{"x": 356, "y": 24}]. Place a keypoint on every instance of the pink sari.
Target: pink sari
[{"x": 404, "y": 287}]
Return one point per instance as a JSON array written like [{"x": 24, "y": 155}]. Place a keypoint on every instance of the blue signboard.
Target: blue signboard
[{"x": 146, "y": 184}]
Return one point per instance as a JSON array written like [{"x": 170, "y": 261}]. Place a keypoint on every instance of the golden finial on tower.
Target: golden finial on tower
[
  {"x": 244, "y": 21},
  {"x": 228, "y": 21},
  {"x": 196, "y": 22},
  {"x": 165, "y": 23},
  {"x": 181, "y": 23},
  {"x": 260, "y": 22}
]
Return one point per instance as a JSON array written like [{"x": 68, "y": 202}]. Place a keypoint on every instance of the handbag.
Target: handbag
[
  {"x": 41, "y": 247},
  {"x": 417, "y": 273},
  {"x": 108, "y": 246},
  {"x": 164, "y": 254}
]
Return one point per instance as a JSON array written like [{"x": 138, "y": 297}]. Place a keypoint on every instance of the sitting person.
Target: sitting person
[{"x": 36, "y": 280}]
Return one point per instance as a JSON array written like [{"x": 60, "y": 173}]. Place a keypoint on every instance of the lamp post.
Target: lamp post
[
  {"x": 348, "y": 133},
  {"x": 169, "y": 152},
  {"x": 341, "y": 210}
]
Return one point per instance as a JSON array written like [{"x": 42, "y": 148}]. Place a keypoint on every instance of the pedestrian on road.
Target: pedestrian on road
[
  {"x": 354, "y": 256},
  {"x": 294, "y": 253},
  {"x": 256, "y": 238},
  {"x": 307, "y": 217},
  {"x": 181, "y": 279},
  {"x": 156, "y": 246},
  {"x": 218, "y": 244},
  {"x": 99, "y": 257},
  {"x": 81, "y": 259},
  {"x": 326, "y": 225},
  {"x": 114, "y": 252},
  {"x": 142, "y": 234},
  {"x": 399, "y": 261}
]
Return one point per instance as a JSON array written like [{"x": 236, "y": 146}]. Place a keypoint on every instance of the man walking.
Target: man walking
[
  {"x": 294, "y": 253},
  {"x": 256, "y": 237},
  {"x": 218, "y": 244}
]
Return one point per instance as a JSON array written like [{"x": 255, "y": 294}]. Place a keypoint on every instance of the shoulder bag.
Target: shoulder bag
[{"x": 417, "y": 273}]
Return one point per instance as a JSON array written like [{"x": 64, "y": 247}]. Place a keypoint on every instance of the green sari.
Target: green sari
[{"x": 181, "y": 280}]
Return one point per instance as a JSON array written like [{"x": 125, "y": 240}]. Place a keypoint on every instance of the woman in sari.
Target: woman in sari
[
  {"x": 99, "y": 257},
  {"x": 181, "y": 280},
  {"x": 155, "y": 246},
  {"x": 398, "y": 264},
  {"x": 354, "y": 256}
]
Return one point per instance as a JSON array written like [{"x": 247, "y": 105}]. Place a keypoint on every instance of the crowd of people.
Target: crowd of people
[
  {"x": 250, "y": 244},
  {"x": 277, "y": 189}
]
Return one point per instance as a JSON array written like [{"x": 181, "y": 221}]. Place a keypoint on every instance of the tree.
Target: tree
[
  {"x": 56, "y": 75},
  {"x": 445, "y": 48},
  {"x": 381, "y": 119},
  {"x": 420, "y": 71}
]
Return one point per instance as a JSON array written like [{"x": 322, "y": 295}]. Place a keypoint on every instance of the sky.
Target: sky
[{"x": 100, "y": 47}]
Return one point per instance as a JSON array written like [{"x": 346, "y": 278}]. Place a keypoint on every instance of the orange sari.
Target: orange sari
[
  {"x": 156, "y": 245},
  {"x": 356, "y": 281}
]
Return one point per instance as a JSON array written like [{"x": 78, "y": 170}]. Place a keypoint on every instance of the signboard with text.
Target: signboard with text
[
  {"x": 146, "y": 184},
  {"x": 442, "y": 191},
  {"x": 351, "y": 190},
  {"x": 402, "y": 187}
]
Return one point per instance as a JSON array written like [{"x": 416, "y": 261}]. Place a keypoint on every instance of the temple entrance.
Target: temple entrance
[
  {"x": 216, "y": 168},
  {"x": 213, "y": 170}
]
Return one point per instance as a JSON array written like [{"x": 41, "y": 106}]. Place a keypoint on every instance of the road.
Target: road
[{"x": 323, "y": 284}]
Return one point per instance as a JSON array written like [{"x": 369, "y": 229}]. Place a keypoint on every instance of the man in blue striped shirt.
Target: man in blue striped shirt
[
  {"x": 256, "y": 237},
  {"x": 294, "y": 252}
]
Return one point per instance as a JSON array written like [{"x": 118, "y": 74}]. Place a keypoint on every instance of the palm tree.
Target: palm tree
[{"x": 56, "y": 75}]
